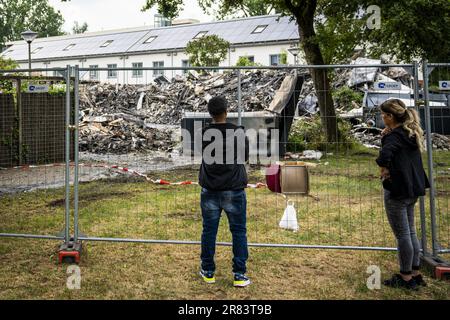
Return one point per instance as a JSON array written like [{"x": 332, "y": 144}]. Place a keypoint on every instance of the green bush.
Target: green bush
[
  {"x": 6, "y": 86},
  {"x": 283, "y": 57},
  {"x": 308, "y": 134},
  {"x": 244, "y": 62},
  {"x": 344, "y": 96}
]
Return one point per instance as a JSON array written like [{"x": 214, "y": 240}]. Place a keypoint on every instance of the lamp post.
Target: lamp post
[{"x": 29, "y": 36}]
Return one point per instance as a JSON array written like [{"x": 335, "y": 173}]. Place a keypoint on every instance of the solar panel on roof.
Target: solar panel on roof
[{"x": 235, "y": 31}]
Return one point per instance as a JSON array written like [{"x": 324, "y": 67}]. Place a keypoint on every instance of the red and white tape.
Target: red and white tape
[{"x": 124, "y": 170}]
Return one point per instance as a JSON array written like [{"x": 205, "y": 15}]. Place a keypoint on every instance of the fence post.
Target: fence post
[
  {"x": 239, "y": 98},
  {"x": 423, "y": 221},
  {"x": 67, "y": 146},
  {"x": 76, "y": 134},
  {"x": 434, "y": 240},
  {"x": 20, "y": 119}
]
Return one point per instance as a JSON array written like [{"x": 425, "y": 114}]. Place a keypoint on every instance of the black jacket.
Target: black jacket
[
  {"x": 225, "y": 175},
  {"x": 400, "y": 154}
]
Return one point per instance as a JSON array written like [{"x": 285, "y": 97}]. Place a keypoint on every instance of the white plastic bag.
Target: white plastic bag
[{"x": 289, "y": 219}]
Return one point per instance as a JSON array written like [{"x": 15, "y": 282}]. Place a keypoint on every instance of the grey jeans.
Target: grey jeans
[{"x": 400, "y": 213}]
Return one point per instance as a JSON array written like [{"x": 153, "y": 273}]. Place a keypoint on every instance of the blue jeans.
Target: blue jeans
[{"x": 234, "y": 203}]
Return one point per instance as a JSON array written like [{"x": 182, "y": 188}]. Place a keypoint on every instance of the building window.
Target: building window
[
  {"x": 150, "y": 39},
  {"x": 37, "y": 50},
  {"x": 93, "y": 74},
  {"x": 106, "y": 43},
  {"x": 70, "y": 46},
  {"x": 260, "y": 29},
  {"x": 200, "y": 34},
  {"x": 137, "y": 73},
  {"x": 185, "y": 64},
  {"x": 158, "y": 64},
  {"x": 275, "y": 59},
  {"x": 112, "y": 73},
  {"x": 250, "y": 58}
]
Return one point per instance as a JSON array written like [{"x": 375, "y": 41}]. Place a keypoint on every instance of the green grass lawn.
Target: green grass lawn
[{"x": 345, "y": 208}]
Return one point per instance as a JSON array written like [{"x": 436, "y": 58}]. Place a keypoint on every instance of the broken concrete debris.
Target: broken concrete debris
[
  {"x": 440, "y": 142},
  {"x": 119, "y": 118},
  {"x": 370, "y": 137}
]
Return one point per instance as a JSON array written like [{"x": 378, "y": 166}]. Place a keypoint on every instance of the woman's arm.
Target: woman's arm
[{"x": 392, "y": 143}]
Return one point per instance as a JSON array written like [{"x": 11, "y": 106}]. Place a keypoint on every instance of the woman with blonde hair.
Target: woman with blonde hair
[{"x": 404, "y": 180}]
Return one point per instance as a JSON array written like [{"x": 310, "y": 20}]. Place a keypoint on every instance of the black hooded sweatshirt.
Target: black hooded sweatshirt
[
  {"x": 225, "y": 176},
  {"x": 400, "y": 154}
]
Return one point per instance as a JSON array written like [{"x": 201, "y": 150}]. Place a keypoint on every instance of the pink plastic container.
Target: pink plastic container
[{"x": 273, "y": 174}]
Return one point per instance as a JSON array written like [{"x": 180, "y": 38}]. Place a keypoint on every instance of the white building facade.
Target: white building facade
[{"x": 262, "y": 39}]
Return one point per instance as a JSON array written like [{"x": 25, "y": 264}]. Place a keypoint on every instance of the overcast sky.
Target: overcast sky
[{"x": 114, "y": 14}]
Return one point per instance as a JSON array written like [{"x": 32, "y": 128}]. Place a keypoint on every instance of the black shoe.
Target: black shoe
[
  {"x": 419, "y": 280},
  {"x": 397, "y": 282}
]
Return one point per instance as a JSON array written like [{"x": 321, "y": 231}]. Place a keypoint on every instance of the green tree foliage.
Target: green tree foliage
[
  {"x": 207, "y": 51},
  {"x": 232, "y": 9},
  {"x": 19, "y": 15},
  {"x": 417, "y": 28},
  {"x": 79, "y": 28},
  {"x": 409, "y": 29},
  {"x": 169, "y": 8},
  {"x": 7, "y": 64}
]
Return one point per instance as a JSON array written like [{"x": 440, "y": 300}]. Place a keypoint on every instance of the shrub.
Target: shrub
[
  {"x": 344, "y": 96},
  {"x": 308, "y": 134},
  {"x": 283, "y": 57},
  {"x": 244, "y": 62}
]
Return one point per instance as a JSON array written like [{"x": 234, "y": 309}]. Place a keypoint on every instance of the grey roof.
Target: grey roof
[{"x": 236, "y": 31}]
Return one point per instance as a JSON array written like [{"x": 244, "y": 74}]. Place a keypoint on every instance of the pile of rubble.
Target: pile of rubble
[
  {"x": 121, "y": 118},
  {"x": 440, "y": 142},
  {"x": 122, "y": 133},
  {"x": 370, "y": 137},
  {"x": 165, "y": 103}
]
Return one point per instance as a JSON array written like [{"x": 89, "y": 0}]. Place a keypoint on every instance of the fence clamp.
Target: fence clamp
[{"x": 72, "y": 127}]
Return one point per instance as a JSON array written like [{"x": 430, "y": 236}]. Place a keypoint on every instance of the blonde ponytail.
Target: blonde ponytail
[
  {"x": 412, "y": 126},
  {"x": 407, "y": 117}
]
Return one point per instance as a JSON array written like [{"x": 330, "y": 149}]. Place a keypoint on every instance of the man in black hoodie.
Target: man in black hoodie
[{"x": 223, "y": 178}]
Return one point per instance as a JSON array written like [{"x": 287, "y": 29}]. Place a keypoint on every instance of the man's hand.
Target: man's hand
[{"x": 385, "y": 175}]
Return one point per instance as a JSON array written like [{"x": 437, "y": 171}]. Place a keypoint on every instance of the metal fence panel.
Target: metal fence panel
[
  {"x": 437, "y": 76},
  {"x": 8, "y": 130},
  {"x": 127, "y": 202},
  {"x": 131, "y": 146},
  {"x": 33, "y": 171}
]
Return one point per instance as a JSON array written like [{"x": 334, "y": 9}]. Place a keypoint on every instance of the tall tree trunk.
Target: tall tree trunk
[{"x": 313, "y": 56}]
